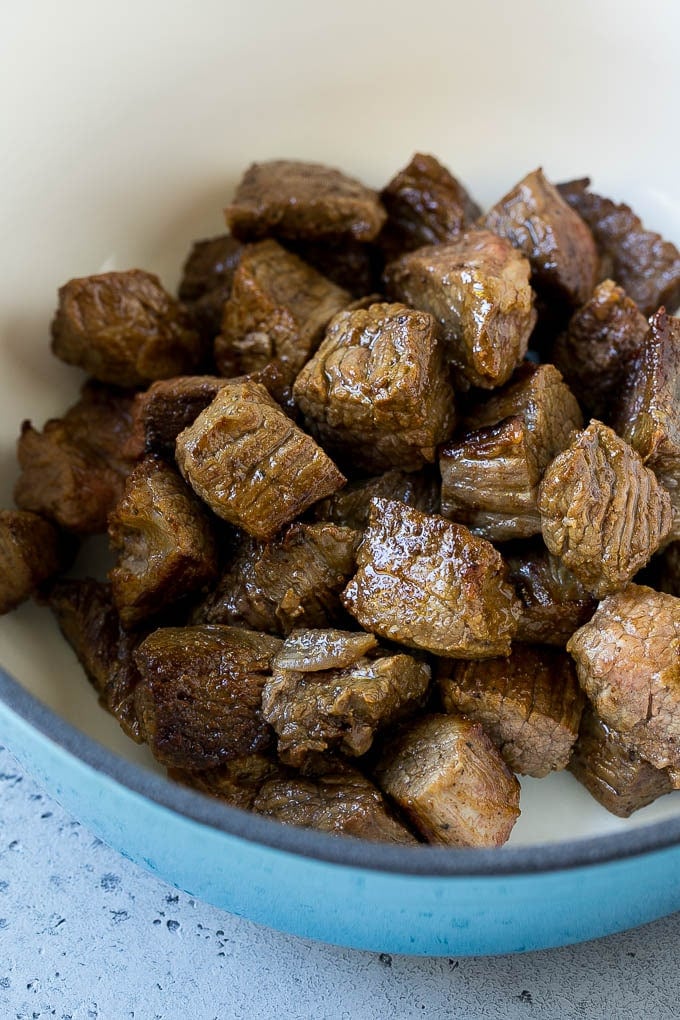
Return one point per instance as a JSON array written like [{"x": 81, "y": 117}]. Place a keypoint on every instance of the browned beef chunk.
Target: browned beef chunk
[
  {"x": 90, "y": 623},
  {"x": 554, "y": 603},
  {"x": 425, "y": 205},
  {"x": 592, "y": 352},
  {"x": 477, "y": 288},
  {"x": 376, "y": 393},
  {"x": 124, "y": 328},
  {"x": 302, "y": 201},
  {"x": 490, "y": 476},
  {"x": 160, "y": 413},
  {"x": 535, "y": 218},
  {"x": 451, "y": 782},
  {"x": 602, "y": 511},
  {"x": 612, "y": 771},
  {"x": 74, "y": 470},
  {"x": 200, "y": 696},
  {"x": 252, "y": 466},
  {"x": 293, "y": 581},
  {"x": 237, "y": 781},
  {"x": 646, "y": 266},
  {"x": 428, "y": 583},
  {"x": 29, "y": 554},
  {"x": 628, "y": 663},
  {"x": 352, "y": 265},
  {"x": 529, "y": 703},
  {"x": 340, "y": 697},
  {"x": 164, "y": 540},
  {"x": 206, "y": 282},
  {"x": 351, "y": 506}
]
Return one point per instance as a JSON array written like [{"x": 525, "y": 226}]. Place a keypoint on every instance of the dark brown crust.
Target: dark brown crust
[
  {"x": 206, "y": 283},
  {"x": 554, "y": 603},
  {"x": 237, "y": 781},
  {"x": 30, "y": 553},
  {"x": 352, "y": 505}
]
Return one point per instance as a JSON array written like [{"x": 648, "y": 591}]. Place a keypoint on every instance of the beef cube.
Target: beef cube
[
  {"x": 278, "y": 310},
  {"x": 352, "y": 265},
  {"x": 628, "y": 664},
  {"x": 646, "y": 266},
  {"x": 73, "y": 472},
  {"x": 200, "y": 695},
  {"x": 602, "y": 511},
  {"x": 376, "y": 392},
  {"x": 477, "y": 288},
  {"x": 124, "y": 328},
  {"x": 237, "y": 781},
  {"x": 612, "y": 771},
  {"x": 450, "y": 781},
  {"x": 293, "y": 581},
  {"x": 252, "y": 466},
  {"x": 428, "y": 583},
  {"x": 165, "y": 545},
  {"x": 29, "y": 554},
  {"x": 88, "y": 620},
  {"x": 554, "y": 603},
  {"x": 490, "y": 476},
  {"x": 529, "y": 703},
  {"x": 351, "y": 506},
  {"x": 537, "y": 221},
  {"x": 302, "y": 201},
  {"x": 160, "y": 413},
  {"x": 340, "y": 706},
  {"x": 206, "y": 283},
  {"x": 593, "y": 351}
]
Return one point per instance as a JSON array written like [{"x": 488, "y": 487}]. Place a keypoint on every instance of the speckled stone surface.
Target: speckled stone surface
[{"x": 86, "y": 935}]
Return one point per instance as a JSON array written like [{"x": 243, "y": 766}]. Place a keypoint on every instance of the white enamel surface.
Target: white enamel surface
[{"x": 123, "y": 128}]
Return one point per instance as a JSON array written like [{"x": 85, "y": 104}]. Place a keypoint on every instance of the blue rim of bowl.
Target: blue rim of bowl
[{"x": 424, "y": 861}]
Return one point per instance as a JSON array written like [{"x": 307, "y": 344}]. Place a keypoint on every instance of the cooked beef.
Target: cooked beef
[
  {"x": 293, "y": 581},
  {"x": 160, "y": 413},
  {"x": 602, "y": 511},
  {"x": 29, "y": 554},
  {"x": 315, "y": 650},
  {"x": 302, "y": 201},
  {"x": 164, "y": 540},
  {"x": 593, "y": 351},
  {"x": 252, "y": 466},
  {"x": 427, "y": 583},
  {"x": 535, "y": 218},
  {"x": 351, "y": 506},
  {"x": 612, "y": 771},
  {"x": 490, "y": 476},
  {"x": 237, "y": 781},
  {"x": 206, "y": 282},
  {"x": 124, "y": 328},
  {"x": 451, "y": 782},
  {"x": 376, "y": 393},
  {"x": 646, "y": 266},
  {"x": 628, "y": 663},
  {"x": 90, "y": 623},
  {"x": 477, "y": 288},
  {"x": 199, "y": 699},
  {"x": 554, "y": 603},
  {"x": 529, "y": 703},
  {"x": 74, "y": 470},
  {"x": 352, "y": 265}
]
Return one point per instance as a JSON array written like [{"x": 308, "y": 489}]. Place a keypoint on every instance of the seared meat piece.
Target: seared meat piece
[
  {"x": 293, "y": 581},
  {"x": 252, "y": 466},
  {"x": 74, "y": 470},
  {"x": 612, "y": 771},
  {"x": 592, "y": 352},
  {"x": 315, "y": 650},
  {"x": 554, "y": 603},
  {"x": 628, "y": 663},
  {"x": 160, "y": 413},
  {"x": 200, "y": 696},
  {"x": 351, "y": 506},
  {"x": 428, "y": 583},
  {"x": 124, "y": 328},
  {"x": 646, "y": 266},
  {"x": 425, "y": 205},
  {"x": 535, "y": 218},
  {"x": 529, "y": 703},
  {"x": 163, "y": 537},
  {"x": 376, "y": 392},
  {"x": 89, "y": 622},
  {"x": 237, "y": 781},
  {"x": 302, "y": 201},
  {"x": 602, "y": 511},
  {"x": 477, "y": 288},
  {"x": 29, "y": 554},
  {"x": 490, "y": 476},
  {"x": 352, "y": 265},
  {"x": 278, "y": 310},
  {"x": 206, "y": 282},
  {"x": 451, "y": 782},
  {"x": 341, "y": 706}
]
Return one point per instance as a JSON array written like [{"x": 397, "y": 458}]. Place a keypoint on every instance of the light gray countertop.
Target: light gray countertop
[{"x": 85, "y": 934}]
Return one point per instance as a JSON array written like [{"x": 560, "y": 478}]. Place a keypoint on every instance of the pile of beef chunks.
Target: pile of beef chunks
[{"x": 371, "y": 559}]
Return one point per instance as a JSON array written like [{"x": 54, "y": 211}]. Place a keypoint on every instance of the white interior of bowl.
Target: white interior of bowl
[{"x": 124, "y": 127}]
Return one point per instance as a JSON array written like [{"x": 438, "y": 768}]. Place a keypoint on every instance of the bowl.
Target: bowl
[{"x": 122, "y": 141}]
